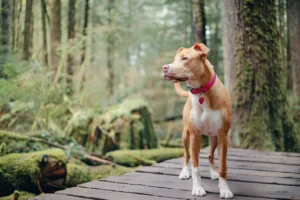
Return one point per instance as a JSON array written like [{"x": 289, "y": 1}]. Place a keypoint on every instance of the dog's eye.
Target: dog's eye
[{"x": 184, "y": 58}]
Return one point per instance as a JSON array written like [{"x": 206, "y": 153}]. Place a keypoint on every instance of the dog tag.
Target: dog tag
[{"x": 201, "y": 100}]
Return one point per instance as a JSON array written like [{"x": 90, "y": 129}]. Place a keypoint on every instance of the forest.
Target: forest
[{"x": 82, "y": 94}]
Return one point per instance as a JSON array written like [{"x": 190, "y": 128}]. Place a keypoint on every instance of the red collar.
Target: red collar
[{"x": 203, "y": 88}]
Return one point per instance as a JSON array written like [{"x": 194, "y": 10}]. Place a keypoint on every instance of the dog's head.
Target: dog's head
[{"x": 189, "y": 64}]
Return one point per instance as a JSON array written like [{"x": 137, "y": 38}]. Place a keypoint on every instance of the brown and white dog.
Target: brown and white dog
[{"x": 207, "y": 111}]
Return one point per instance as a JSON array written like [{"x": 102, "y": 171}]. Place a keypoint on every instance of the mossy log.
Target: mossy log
[
  {"x": 48, "y": 171},
  {"x": 20, "y": 195},
  {"x": 132, "y": 158},
  {"x": 78, "y": 174},
  {"x": 124, "y": 126},
  {"x": 29, "y": 171}
]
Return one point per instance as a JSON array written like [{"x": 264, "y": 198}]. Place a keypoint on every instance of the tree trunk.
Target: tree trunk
[
  {"x": 229, "y": 44},
  {"x": 260, "y": 103},
  {"x": 199, "y": 21},
  {"x": 293, "y": 12},
  {"x": 13, "y": 22},
  {"x": 4, "y": 34},
  {"x": 71, "y": 36},
  {"x": 19, "y": 29},
  {"x": 28, "y": 31},
  {"x": 55, "y": 33},
  {"x": 44, "y": 30},
  {"x": 110, "y": 47},
  {"x": 85, "y": 26}
]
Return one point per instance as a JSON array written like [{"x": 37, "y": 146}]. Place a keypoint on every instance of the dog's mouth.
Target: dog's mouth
[{"x": 175, "y": 79}]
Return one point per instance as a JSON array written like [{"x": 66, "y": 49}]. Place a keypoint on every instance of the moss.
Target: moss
[
  {"x": 133, "y": 158},
  {"x": 2, "y": 149},
  {"x": 20, "y": 170},
  {"x": 124, "y": 126},
  {"x": 77, "y": 174},
  {"x": 22, "y": 195}
]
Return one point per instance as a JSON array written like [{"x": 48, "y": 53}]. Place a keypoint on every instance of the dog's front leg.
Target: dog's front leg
[
  {"x": 184, "y": 174},
  {"x": 222, "y": 151},
  {"x": 195, "y": 139}
]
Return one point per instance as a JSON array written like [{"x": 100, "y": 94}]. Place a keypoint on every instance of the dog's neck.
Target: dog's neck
[{"x": 204, "y": 78}]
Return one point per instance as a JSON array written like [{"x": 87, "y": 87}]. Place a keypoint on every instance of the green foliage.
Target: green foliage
[{"x": 132, "y": 158}]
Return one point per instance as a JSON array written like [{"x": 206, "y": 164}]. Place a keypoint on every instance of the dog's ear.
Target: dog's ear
[
  {"x": 180, "y": 49},
  {"x": 201, "y": 47}
]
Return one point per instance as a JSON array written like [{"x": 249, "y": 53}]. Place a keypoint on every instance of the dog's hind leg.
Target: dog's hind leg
[
  {"x": 222, "y": 151},
  {"x": 213, "y": 140},
  {"x": 184, "y": 174}
]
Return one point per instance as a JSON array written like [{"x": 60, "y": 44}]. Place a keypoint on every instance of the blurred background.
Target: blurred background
[{"x": 85, "y": 75}]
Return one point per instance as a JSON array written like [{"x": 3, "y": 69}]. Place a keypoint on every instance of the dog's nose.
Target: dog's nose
[{"x": 165, "y": 68}]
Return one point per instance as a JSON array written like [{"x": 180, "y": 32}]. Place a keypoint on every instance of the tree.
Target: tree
[
  {"x": 110, "y": 47},
  {"x": 293, "y": 7},
  {"x": 55, "y": 33},
  {"x": 44, "y": 30},
  {"x": 199, "y": 21},
  {"x": 28, "y": 31},
  {"x": 85, "y": 27},
  {"x": 71, "y": 36},
  {"x": 229, "y": 43},
  {"x": 4, "y": 34},
  {"x": 260, "y": 103}
]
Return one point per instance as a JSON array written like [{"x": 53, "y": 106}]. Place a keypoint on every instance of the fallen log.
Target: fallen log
[
  {"x": 33, "y": 172},
  {"x": 15, "y": 143}
]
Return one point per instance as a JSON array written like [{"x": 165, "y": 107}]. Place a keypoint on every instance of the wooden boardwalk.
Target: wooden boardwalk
[{"x": 252, "y": 175}]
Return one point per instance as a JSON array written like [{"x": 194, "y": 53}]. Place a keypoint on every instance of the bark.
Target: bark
[
  {"x": 28, "y": 31},
  {"x": 110, "y": 47},
  {"x": 71, "y": 36},
  {"x": 260, "y": 104},
  {"x": 199, "y": 21},
  {"x": 293, "y": 7},
  {"x": 55, "y": 33},
  {"x": 44, "y": 30}
]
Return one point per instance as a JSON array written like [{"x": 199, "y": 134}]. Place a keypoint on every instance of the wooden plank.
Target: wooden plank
[
  {"x": 237, "y": 187},
  {"x": 235, "y": 177},
  {"x": 257, "y": 158},
  {"x": 270, "y": 153},
  {"x": 236, "y": 171},
  {"x": 152, "y": 191},
  {"x": 248, "y": 165},
  {"x": 56, "y": 197},
  {"x": 105, "y": 195}
]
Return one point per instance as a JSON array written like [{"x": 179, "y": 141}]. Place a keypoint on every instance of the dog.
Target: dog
[{"x": 207, "y": 111}]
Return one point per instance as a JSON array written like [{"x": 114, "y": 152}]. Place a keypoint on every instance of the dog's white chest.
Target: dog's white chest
[{"x": 206, "y": 120}]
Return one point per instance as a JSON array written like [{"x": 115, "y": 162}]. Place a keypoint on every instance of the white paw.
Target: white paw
[
  {"x": 224, "y": 189},
  {"x": 184, "y": 174},
  {"x": 213, "y": 174},
  {"x": 226, "y": 194},
  {"x": 198, "y": 191}
]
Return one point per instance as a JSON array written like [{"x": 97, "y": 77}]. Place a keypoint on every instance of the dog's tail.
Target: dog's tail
[{"x": 180, "y": 91}]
